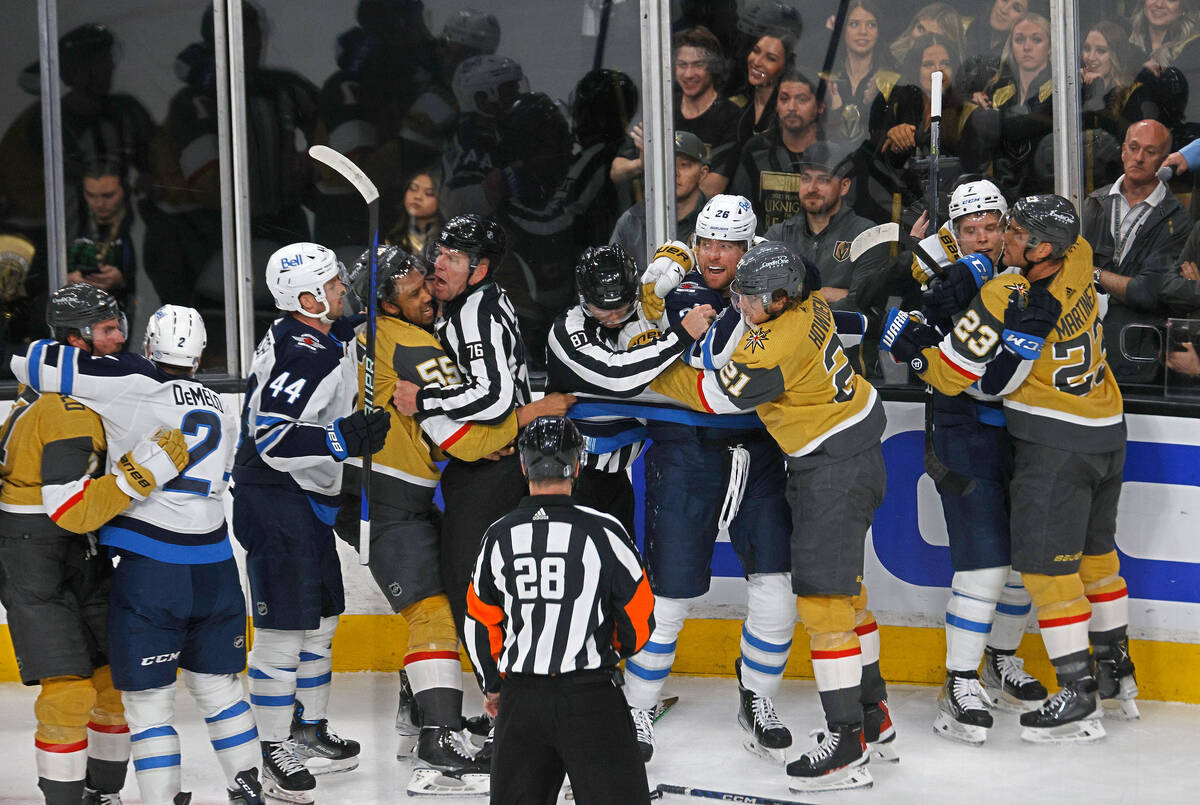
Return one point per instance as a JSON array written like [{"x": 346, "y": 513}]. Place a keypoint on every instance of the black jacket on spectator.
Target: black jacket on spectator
[
  {"x": 1180, "y": 294},
  {"x": 1153, "y": 254},
  {"x": 778, "y": 197}
]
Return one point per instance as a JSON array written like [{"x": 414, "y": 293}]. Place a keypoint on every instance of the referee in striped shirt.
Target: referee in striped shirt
[{"x": 558, "y": 597}]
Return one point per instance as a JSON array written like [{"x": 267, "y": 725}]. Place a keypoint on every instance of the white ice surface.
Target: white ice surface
[{"x": 699, "y": 744}]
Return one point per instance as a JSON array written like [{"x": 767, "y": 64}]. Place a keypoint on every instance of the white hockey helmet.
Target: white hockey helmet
[
  {"x": 476, "y": 30},
  {"x": 726, "y": 217},
  {"x": 302, "y": 268},
  {"x": 972, "y": 198},
  {"x": 486, "y": 74},
  {"x": 176, "y": 336}
]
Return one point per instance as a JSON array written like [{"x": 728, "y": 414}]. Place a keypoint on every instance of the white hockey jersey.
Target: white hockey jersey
[{"x": 183, "y": 521}]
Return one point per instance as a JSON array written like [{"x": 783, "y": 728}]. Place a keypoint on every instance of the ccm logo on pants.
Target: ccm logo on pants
[{"x": 174, "y": 655}]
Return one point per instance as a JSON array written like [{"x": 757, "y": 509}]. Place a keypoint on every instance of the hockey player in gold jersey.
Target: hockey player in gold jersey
[
  {"x": 828, "y": 420},
  {"x": 1041, "y": 330},
  {"x": 53, "y": 582},
  {"x": 404, "y": 534}
]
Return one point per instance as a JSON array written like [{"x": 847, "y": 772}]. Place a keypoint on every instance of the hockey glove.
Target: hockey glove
[
  {"x": 954, "y": 292},
  {"x": 153, "y": 461},
  {"x": 905, "y": 336},
  {"x": 1030, "y": 317},
  {"x": 357, "y": 434},
  {"x": 668, "y": 266}
]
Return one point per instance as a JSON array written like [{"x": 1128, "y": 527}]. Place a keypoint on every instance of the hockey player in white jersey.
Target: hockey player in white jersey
[
  {"x": 177, "y": 601},
  {"x": 298, "y": 426}
]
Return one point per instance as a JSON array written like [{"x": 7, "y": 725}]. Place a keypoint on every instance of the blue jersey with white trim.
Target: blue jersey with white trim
[
  {"x": 301, "y": 380},
  {"x": 183, "y": 521}
]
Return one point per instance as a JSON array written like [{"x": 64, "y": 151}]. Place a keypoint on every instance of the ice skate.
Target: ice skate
[
  {"x": 182, "y": 798},
  {"x": 768, "y": 736},
  {"x": 963, "y": 709},
  {"x": 1071, "y": 715},
  {"x": 643, "y": 727},
  {"x": 408, "y": 719},
  {"x": 1008, "y": 685},
  {"x": 247, "y": 789},
  {"x": 1117, "y": 681},
  {"x": 285, "y": 776},
  {"x": 446, "y": 766},
  {"x": 478, "y": 728},
  {"x": 93, "y": 797},
  {"x": 664, "y": 705},
  {"x": 839, "y": 761},
  {"x": 484, "y": 755},
  {"x": 321, "y": 749},
  {"x": 879, "y": 732}
]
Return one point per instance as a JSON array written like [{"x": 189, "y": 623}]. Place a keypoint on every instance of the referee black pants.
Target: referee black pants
[
  {"x": 578, "y": 725},
  {"x": 476, "y": 495}
]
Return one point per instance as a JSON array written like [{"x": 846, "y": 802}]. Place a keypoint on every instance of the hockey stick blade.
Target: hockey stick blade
[
  {"x": 892, "y": 233},
  {"x": 348, "y": 170},
  {"x": 725, "y": 796}
]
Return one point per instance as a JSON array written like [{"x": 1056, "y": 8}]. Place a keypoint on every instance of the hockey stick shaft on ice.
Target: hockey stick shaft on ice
[
  {"x": 723, "y": 796},
  {"x": 370, "y": 194}
]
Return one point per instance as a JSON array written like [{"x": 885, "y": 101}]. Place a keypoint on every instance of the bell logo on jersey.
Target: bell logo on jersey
[
  {"x": 292, "y": 262},
  {"x": 158, "y": 658}
]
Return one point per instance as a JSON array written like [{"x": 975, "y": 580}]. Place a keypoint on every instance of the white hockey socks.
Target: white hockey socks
[
  {"x": 230, "y": 723},
  {"x": 646, "y": 672},
  {"x": 1012, "y": 614},
  {"x": 272, "y": 675},
  {"x": 154, "y": 743},
  {"x": 767, "y": 632},
  {"x": 969, "y": 615},
  {"x": 315, "y": 673}
]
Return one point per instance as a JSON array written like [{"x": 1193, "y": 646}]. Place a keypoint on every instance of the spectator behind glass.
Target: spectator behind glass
[
  {"x": 1168, "y": 34},
  {"x": 421, "y": 219},
  {"x": 985, "y": 40},
  {"x": 103, "y": 253},
  {"x": 860, "y": 75},
  {"x": 767, "y": 60},
  {"x": 1112, "y": 97},
  {"x": 935, "y": 18}
]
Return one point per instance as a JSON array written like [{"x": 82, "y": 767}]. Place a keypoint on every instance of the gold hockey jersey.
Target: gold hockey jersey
[
  {"x": 415, "y": 444},
  {"x": 1067, "y": 397},
  {"x": 51, "y": 446},
  {"x": 793, "y": 372}
]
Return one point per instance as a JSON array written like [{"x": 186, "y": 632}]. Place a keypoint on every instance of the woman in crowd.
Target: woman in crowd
[
  {"x": 860, "y": 75},
  {"x": 767, "y": 60},
  {"x": 421, "y": 219},
  {"x": 935, "y": 18},
  {"x": 1168, "y": 34},
  {"x": 985, "y": 40},
  {"x": 1112, "y": 97}
]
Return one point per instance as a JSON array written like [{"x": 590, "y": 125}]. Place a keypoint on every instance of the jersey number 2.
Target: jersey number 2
[{"x": 193, "y": 422}]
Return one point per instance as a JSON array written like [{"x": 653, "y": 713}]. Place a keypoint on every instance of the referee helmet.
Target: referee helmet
[{"x": 550, "y": 448}]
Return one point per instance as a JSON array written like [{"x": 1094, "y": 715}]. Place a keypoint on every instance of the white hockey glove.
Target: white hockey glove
[
  {"x": 668, "y": 266},
  {"x": 153, "y": 461}
]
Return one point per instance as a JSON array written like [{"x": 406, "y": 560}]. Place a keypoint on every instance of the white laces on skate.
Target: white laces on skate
[
  {"x": 643, "y": 725},
  {"x": 283, "y": 755},
  {"x": 457, "y": 743},
  {"x": 970, "y": 695},
  {"x": 765, "y": 715},
  {"x": 827, "y": 745},
  {"x": 1012, "y": 669}
]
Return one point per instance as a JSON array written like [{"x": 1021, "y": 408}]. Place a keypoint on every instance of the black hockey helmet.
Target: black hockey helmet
[
  {"x": 770, "y": 267},
  {"x": 77, "y": 307},
  {"x": 354, "y": 48},
  {"x": 533, "y": 128},
  {"x": 479, "y": 237},
  {"x": 602, "y": 105},
  {"x": 391, "y": 263},
  {"x": 1049, "y": 219},
  {"x": 550, "y": 449},
  {"x": 607, "y": 278}
]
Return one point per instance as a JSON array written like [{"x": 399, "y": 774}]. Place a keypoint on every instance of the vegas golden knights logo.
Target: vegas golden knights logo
[{"x": 841, "y": 251}]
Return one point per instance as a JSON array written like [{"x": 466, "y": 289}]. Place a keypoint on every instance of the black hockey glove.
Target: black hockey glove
[
  {"x": 357, "y": 434},
  {"x": 952, "y": 293},
  {"x": 905, "y": 336},
  {"x": 1030, "y": 317}
]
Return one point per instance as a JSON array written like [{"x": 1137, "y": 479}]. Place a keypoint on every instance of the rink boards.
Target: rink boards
[{"x": 908, "y": 573}]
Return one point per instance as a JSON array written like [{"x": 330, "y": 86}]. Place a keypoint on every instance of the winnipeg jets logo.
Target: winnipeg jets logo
[
  {"x": 756, "y": 339},
  {"x": 308, "y": 341}
]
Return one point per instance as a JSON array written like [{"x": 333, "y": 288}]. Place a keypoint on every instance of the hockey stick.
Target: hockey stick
[
  {"x": 725, "y": 796},
  {"x": 893, "y": 233},
  {"x": 935, "y": 146},
  {"x": 370, "y": 194}
]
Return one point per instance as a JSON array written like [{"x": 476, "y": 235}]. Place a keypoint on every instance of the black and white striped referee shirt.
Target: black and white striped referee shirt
[
  {"x": 557, "y": 588},
  {"x": 479, "y": 331}
]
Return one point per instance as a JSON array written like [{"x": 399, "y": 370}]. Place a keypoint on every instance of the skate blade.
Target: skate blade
[
  {"x": 971, "y": 734},
  {"x": 1085, "y": 731},
  {"x": 321, "y": 765},
  {"x": 1009, "y": 703},
  {"x": 273, "y": 793},
  {"x": 406, "y": 747},
  {"x": 1122, "y": 709},
  {"x": 773, "y": 755},
  {"x": 433, "y": 783},
  {"x": 840, "y": 780},
  {"x": 567, "y": 792},
  {"x": 884, "y": 751}
]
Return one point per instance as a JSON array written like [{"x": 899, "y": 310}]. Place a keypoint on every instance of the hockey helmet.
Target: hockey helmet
[
  {"x": 726, "y": 217},
  {"x": 175, "y": 335},
  {"x": 607, "y": 279},
  {"x": 759, "y": 18},
  {"x": 478, "y": 237},
  {"x": 972, "y": 198},
  {"x": 391, "y": 263},
  {"x": 533, "y": 128},
  {"x": 302, "y": 268},
  {"x": 602, "y": 105},
  {"x": 472, "y": 29},
  {"x": 550, "y": 448},
  {"x": 354, "y": 47},
  {"x": 487, "y": 75},
  {"x": 769, "y": 267},
  {"x": 78, "y": 307},
  {"x": 1048, "y": 219}
]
